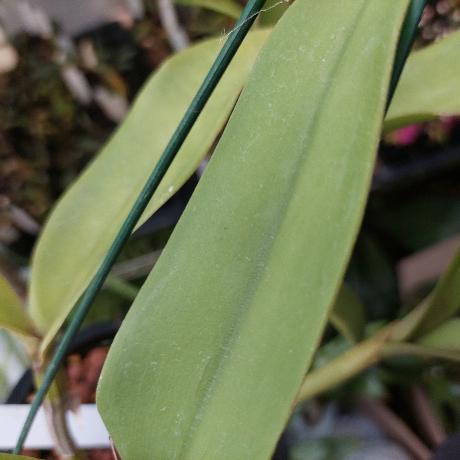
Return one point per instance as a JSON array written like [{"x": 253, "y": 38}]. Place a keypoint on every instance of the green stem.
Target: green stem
[
  {"x": 55, "y": 407},
  {"x": 212, "y": 79},
  {"x": 392, "y": 350},
  {"x": 344, "y": 367},
  {"x": 363, "y": 356}
]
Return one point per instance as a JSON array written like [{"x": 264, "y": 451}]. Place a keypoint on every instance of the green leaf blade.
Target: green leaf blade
[
  {"x": 213, "y": 351},
  {"x": 429, "y": 86},
  {"x": 84, "y": 223},
  {"x": 13, "y": 315}
]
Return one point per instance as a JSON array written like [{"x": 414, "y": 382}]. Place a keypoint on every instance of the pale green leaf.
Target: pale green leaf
[
  {"x": 347, "y": 315},
  {"x": 429, "y": 86},
  {"x": 85, "y": 222},
  {"x": 445, "y": 337},
  {"x": 228, "y": 7},
  {"x": 13, "y": 315},
  {"x": 213, "y": 351}
]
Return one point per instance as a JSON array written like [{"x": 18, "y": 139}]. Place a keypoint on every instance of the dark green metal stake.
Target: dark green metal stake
[
  {"x": 221, "y": 63},
  {"x": 224, "y": 58}
]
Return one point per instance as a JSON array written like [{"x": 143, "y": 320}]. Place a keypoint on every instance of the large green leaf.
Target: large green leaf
[
  {"x": 430, "y": 85},
  {"x": 86, "y": 220},
  {"x": 213, "y": 350},
  {"x": 13, "y": 315},
  {"x": 228, "y": 7}
]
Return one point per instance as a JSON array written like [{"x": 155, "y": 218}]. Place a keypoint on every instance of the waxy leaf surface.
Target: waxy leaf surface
[
  {"x": 209, "y": 359},
  {"x": 13, "y": 315}
]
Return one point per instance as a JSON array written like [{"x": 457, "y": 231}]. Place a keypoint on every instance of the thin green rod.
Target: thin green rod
[
  {"x": 221, "y": 63},
  {"x": 406, "y": 40}
]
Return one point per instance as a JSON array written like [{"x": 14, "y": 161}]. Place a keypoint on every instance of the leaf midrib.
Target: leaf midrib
[{"x": 203, "y": 402}]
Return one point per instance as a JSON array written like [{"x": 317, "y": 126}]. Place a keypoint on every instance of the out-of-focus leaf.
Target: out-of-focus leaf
[
  {"x": 329, "y": 351},
  {"x": 429, "y": 86},
  {"x": 334, "y": 366},
  {"x": 13, "y": 315},
  {"x": 218, "y": 340},
  {"x": 439, "y": 306},
  {"x": 85, "y": 222},
  {"x": 445, "y": 337},
  {"x": 344, "y": 366},
  {"x": 392, "y": 350},
  {"x": 367, "y": 383},
  {"x": 347, "y": 315},
  {"x": 228, "y": 7}
]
